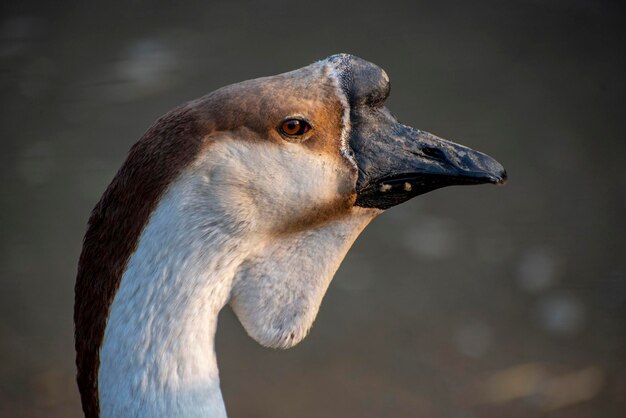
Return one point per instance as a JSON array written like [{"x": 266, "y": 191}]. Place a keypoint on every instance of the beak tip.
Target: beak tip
[
  {"x": 501, "y": 178},
  {"x": 495, "y": 172}
]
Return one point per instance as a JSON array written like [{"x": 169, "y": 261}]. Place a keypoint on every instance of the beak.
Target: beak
[{"x": 397, "y": 162}]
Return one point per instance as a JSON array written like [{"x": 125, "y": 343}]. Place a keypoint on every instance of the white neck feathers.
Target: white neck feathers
[
  {"x": 158, "y": 357},
  {"x": 198, "y": 252}
]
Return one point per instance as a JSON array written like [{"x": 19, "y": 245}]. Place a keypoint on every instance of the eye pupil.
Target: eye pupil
[{"x": 294, "y": 127}]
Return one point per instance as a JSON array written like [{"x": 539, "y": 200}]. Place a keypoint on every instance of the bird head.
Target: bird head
[
  {"x": 306, "y": 146},
  {"x": 306, "y": 159}
]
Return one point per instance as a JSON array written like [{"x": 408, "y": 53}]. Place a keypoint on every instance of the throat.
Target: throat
[
  {"x": 195, "y": 255},
  {"x": 158, "y": 356}
]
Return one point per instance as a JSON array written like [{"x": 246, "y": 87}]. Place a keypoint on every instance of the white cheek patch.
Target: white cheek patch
[{"x": 268, "y": 183}]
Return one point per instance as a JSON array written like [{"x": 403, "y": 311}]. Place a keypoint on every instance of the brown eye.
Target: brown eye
[{"x": 294, "y": 127}]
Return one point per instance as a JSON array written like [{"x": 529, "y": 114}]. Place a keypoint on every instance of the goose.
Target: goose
[{"x": 250, "y": 196}]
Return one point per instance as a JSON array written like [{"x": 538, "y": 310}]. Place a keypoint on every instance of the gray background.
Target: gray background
[{"x": 466, "y": 302}]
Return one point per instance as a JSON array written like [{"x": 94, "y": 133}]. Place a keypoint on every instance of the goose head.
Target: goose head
[
  {"x": 351, "y": 159},
  {"x": 249, "y": 196}
]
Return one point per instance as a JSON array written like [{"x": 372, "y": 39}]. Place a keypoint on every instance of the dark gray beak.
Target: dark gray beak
[{"x": 397, "y": 162}]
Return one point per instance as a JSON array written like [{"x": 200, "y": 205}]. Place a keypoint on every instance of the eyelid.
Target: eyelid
[
  {"x": 299, "y": 117},
  {"x": 302, "y": 120}
]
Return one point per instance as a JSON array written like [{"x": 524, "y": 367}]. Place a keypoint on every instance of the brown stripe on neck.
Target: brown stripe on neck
[{"x": 114, "y": 229}]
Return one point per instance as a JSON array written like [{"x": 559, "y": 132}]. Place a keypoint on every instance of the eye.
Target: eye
[{"x": 294, "y": 127}]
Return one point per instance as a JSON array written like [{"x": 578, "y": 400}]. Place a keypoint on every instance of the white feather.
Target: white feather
[{"x": 221, "y": 231}]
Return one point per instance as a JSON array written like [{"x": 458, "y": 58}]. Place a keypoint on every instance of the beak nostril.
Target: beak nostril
[{"x": 434, "y": 153}]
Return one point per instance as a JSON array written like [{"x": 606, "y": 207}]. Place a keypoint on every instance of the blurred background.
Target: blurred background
[{"x": 464, "y": 303}]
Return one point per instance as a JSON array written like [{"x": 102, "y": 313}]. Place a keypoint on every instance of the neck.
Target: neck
[{"x": 158, "y": 357}]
